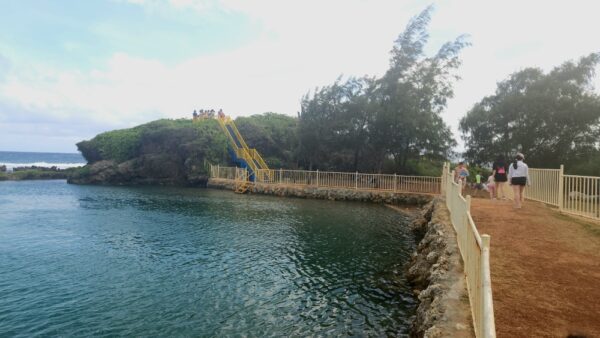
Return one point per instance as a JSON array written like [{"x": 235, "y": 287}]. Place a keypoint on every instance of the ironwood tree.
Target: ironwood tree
[{"x": 362, "y": 123}]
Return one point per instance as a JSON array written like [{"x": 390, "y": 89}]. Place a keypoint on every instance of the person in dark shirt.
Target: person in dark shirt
[{"x": 500, "y": 178}]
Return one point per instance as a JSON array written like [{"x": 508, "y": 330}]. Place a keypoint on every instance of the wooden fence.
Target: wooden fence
[{"x": 475, "y": 252}]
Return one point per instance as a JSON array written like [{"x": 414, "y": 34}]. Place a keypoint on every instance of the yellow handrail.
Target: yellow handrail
[
  {"x": 237, "y": 133},
  {"x": 251, "y": 156}
]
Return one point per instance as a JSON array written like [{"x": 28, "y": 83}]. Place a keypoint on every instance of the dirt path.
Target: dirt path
[{"x": 545, "y": 270}]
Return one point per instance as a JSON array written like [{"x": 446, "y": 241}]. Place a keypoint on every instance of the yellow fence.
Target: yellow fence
[
  {"x": 393, "y": 183},
  {"x": 475, "y": 252}
]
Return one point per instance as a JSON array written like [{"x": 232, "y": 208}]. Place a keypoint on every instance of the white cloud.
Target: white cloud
[{"x": 304, "y": 45}]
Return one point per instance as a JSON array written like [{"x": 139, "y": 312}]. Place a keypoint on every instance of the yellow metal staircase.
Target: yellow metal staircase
[
  {"x": 242, "y": 180},
  {"x": 255, "y": 163}
]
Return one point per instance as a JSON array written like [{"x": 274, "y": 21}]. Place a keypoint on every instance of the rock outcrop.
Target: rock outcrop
[
  {"x": 436, "y": 273},
  {"x": 155, "y": 169},
  {"x": 163, "y": 152}
]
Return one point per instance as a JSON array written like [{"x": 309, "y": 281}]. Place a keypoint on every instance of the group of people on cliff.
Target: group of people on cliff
[
  {"x": 207, "y": 114},
  {"x": 515, "y": 173}
]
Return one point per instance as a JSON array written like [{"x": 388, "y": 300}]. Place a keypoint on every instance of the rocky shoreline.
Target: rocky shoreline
[
  {"x": 144, "y": 170},
  {"x": 435, "y": 270},
  {"x": 34, "y": 173},
  {"x": 324, "y": 193},
  {"x": 436, "y": 273}
]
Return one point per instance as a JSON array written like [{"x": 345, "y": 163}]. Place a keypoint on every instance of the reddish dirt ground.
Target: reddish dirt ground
[{"x": 545, "y": 270}]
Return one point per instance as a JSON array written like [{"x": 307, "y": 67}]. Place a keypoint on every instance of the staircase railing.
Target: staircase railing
[{"x": 251, "y": 156}]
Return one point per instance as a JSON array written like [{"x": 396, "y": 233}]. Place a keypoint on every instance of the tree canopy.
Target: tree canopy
[
  {"x": 553, "y": 118},
  {"x": 181, "y": 139},
  {"x": 274, "y": 135},
  {"x": 365, "y": 123}
]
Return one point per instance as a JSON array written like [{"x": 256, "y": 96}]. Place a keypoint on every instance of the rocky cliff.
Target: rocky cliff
[{"x": 163, "y": 152}]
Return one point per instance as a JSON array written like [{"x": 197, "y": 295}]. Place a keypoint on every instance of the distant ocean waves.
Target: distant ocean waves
[
  {"x": 13, "y": 159},
  {"x": 10, "y": 166}
]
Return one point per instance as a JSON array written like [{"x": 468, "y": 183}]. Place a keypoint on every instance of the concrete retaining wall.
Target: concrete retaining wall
[{"x": 334, "y": 194}]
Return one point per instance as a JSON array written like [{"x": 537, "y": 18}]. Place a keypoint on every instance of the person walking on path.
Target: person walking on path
[
  {"x": 460, "y": 175},
  {"x": 518, "y": 174},
  {"x": 499, "y": 173},
  {"x": 491, "y": 187}
]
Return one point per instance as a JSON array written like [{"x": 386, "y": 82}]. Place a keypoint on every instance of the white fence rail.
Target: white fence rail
[
  {"x": 581, "y": 196},
  {"x": 544, "y": 186},
  {"x": 393, "y": 183},
  {"x": 397, "y": 183},
  {"x": 223, "y": 172},
  {"x": 572, "y": 194},
  {"x": 475, "y": 252}
]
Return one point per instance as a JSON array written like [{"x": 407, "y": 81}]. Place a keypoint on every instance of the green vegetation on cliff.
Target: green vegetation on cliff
[
  {"x": 181, "y": 137},
  {"x": 159, "y": 152}
]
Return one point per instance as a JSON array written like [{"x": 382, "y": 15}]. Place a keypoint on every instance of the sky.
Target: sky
[{"x": 71, "y": 69}]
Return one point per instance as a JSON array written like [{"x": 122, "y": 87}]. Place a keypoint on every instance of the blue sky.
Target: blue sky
[
  {"x": 72, "y": 69},
  {"x": 83, "y": 34}
]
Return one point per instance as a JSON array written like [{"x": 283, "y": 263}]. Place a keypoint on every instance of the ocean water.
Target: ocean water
[
  {"x": 121, "y": 261},
  {"x": 26, "y": 159}
]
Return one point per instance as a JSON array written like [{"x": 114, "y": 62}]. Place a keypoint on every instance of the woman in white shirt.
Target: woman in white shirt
[{"x": 518, "y": 176}]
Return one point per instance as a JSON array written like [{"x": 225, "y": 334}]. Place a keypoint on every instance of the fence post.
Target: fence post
[
  {"x": 442, "y": 179},
  {"x": 356, "y": 180},
  {"x": 218, "y": 171},
  {"x": 395, "y": 181},
  {"x": 317, "y": 177},
  {"x": 280, "y": 176},
  {"x": 488, "y": 324},
  {"x": 561, "y": 188},
  {"x": 468, "y": 199}
]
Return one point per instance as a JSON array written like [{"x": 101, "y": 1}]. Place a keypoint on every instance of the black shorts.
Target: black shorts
[
  {"x": 500, "y": 178},
  {"x": 518, "y": 181}
]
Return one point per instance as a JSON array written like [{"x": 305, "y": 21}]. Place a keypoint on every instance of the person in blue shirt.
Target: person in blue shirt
[{"x": 460, "y": 174}]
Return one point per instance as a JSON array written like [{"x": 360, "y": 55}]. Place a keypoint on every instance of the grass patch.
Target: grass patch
[{"x": 590, "y": 226}]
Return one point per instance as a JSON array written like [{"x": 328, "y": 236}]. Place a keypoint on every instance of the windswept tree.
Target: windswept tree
[
  {"x": 368, "y": 121},
  {"x": 275, "y": 135},
  {"x": 553, "y": 118},
  {"x": 333, "y": 125}
]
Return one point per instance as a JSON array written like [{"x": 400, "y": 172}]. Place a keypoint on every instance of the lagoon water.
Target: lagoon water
[{"x": 86, "y": 260}]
